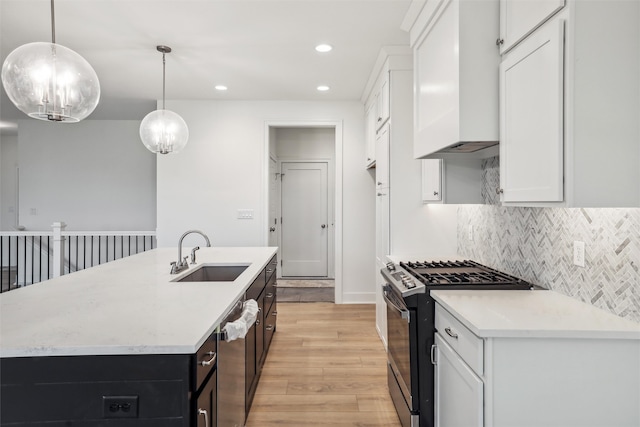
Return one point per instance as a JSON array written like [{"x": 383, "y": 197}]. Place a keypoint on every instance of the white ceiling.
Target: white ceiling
[{"x": 260, "y": 49}]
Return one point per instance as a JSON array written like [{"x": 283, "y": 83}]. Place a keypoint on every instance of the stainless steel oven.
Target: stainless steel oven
[
  {"x": 411, "y": 329},
  {"x": 399, "y": 330}
]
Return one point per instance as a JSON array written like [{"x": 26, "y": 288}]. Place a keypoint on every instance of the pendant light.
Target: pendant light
[
  {"x": 163, "y": 131},
  {"x": 48, "y": 81}
]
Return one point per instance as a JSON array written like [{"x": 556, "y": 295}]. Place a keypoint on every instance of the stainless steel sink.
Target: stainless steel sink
[{"x": 214, "y": 273}]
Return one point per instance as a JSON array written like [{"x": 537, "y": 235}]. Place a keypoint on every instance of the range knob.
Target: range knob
[{"x": 391, "y": 266}]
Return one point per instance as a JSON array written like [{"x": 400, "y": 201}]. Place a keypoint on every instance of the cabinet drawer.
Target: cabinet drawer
[
  {"x": 461, "y": 339},
  {"x": 270, "y": 269},
  {"x": 205, "y": 360},
  {"x": 269, "y": 326},
  {"x": 270, "y": 293}
]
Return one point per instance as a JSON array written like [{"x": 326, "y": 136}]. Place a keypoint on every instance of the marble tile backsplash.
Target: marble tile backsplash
[{"x": 536, "y": 244}]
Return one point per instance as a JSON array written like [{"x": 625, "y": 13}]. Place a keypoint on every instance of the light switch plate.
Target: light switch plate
[{"x": 245, "y": 213}]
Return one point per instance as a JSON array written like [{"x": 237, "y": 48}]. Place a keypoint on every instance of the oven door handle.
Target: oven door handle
[{"x": 404, "y": 313}]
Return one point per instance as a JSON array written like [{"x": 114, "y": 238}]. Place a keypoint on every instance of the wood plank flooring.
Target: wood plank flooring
[{"x": 326, "y": 367}]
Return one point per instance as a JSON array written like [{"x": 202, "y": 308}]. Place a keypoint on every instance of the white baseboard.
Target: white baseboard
[{"x": 359, "y": 298}]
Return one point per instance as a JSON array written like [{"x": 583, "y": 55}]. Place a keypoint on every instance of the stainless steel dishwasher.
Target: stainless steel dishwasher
[{"x": 231, "y": 375}]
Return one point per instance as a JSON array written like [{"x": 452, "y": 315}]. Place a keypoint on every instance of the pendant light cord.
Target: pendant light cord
[
  {"x": 163, "y": 78},
  {"x": 53, "y": 24}
]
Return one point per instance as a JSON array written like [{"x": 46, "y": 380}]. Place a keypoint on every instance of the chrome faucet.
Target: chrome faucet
[{"x": 182, "y": 263}]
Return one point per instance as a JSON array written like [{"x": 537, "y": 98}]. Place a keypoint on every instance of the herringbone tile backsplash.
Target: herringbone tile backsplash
[{"x": 536, "y": 244}]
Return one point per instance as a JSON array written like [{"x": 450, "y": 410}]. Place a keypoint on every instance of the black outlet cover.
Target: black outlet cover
[{"x": 120, "y": 406}]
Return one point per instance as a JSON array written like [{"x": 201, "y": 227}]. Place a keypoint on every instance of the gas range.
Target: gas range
[
  {"x": 416, "y": 277},
  {"x": 411, "y": 326}
]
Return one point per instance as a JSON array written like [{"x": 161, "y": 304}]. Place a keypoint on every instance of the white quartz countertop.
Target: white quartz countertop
[
  {"x": 538, "y": 313},
  {"x": 128, "y": 306}
]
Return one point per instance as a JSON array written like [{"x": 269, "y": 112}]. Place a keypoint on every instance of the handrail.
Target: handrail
[{"x": 32, "y": 256}]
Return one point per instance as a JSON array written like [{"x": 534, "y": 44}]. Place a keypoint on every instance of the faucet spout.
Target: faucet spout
[{"x": 182, "y": 264}]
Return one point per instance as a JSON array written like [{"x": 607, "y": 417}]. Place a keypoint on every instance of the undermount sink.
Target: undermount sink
[{"x": 214, "y": 273}]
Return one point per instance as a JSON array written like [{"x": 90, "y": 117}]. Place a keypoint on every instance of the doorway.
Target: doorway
[{"x": 306, "y": 225}]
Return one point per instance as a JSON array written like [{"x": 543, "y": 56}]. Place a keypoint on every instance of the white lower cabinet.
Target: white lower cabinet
[
  {"x": 506, "y": 381},
  {"x": 459, "y": 391}
]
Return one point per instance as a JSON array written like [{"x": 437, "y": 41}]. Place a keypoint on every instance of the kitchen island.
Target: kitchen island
[
  {"x": 533, "y": 358},
  {"x": 72, "y": 346}
]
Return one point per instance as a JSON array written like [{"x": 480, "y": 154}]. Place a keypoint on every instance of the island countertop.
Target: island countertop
[
  {"x": 129, "y": 306},
  {"x": 532, "y": 314}
]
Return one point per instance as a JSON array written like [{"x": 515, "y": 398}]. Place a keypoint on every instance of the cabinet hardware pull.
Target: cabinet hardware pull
[
  {"x": 269, "y": 328},
  {"x": 368, "y": 158},
  {"x": 435, "y": 193},
  {"x": 206, "y": 417},
  {"x": 499, "y": 191},
  {"x": 433, "y": 354},
  {"x": 379, "y": 119},
  {"x": 269, "y": 295},
  {"x": 380, "y": 194},
  {"x": 269, "y": 270},
  {"x": 450, "y": 332},
  {"x": 210, "y": 361},
  {"x": 499, "y": 42},
  {"x": 275, "y": 313}
]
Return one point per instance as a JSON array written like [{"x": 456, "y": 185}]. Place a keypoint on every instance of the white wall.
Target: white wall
[
  {"x": 93, "y": 175},
  {"x": 8, "y": 181},
  {"x": 221, "y": 170},
  {"x": 305, "y": 143}
]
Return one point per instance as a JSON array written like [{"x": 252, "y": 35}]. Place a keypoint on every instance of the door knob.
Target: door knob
[
  {"x": 323, "y": 226},
  {"x": 272, "y": 229}
]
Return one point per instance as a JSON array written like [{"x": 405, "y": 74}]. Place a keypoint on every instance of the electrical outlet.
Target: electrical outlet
[
  {"x": 120, "y": 406},
  {"x": 578, "y": 253},
  {"x": 470, "y": 232}
]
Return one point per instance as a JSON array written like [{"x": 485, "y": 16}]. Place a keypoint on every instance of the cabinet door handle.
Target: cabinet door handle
[
  {"x": 275, "y": 313},
  {"x": 206, "y": 416},
  {"x": 499, "y": 42},
  {"x": 499, "y": 190},
  {"x": 269, "y": 328},
  {"x": 210, "y": 361},
  {"x": 433, "y": 354},
  {"x": 269, "y": 295},
  {"x": 451, "y": 333},
  {"x": 269, "y": 270},
  {"x": 435, "y": 193}
]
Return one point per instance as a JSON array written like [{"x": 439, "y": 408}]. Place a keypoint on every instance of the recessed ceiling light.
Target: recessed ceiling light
[
  {"x": 221, "y": 87},
  {"x": 324, "y": 48},
  {"x": 323, "y": 88}
]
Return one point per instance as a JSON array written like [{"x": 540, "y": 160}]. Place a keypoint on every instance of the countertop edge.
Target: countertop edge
[{"x": 523, "y": 333}]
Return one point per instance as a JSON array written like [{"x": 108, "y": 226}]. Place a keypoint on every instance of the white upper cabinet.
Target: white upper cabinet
[
  {"x": 531, "y": 119},
  {"x": 382, "y": 100},
  {"x": 520, "y": 17},
  {"x": 431, "y": 180},
  {"x": 370, "y": 135},
  {"x": 455, "y": 77},
  {"x": 570, "y": 105},
  {"x": 382, "y": 158}
]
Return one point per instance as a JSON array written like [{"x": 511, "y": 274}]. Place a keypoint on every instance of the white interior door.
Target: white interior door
[
  {"x": 304, "y": 219},
  {"x": 273, "y": 202}
]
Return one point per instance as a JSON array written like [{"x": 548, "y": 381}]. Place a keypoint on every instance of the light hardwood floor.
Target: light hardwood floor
[{"x": 326, "y": 367}]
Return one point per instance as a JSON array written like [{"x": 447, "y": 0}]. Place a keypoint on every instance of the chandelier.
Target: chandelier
[
  {"x": 48, "y": 81},
  {"x": 163, "y": 131}
]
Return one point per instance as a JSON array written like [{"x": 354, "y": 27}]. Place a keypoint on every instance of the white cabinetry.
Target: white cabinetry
[
  {"x": 382, "y": 157},
  {"x": 458, "y": 390},
  {"x": 455, "y": 81},
  {"x": 531, "y": 119},
  {"x": 520, "y": 17},
  {"x": 370, "y": 135},
  {"x": 431, "y": 180},
  {"x": 515, "y": 375},
  {"x": 575, "y": 145}
]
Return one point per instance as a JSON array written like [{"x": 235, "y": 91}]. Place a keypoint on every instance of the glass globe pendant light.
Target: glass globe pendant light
[
  {"x": 163, "y": 131},
  {"x": 48, "y": 81}
]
